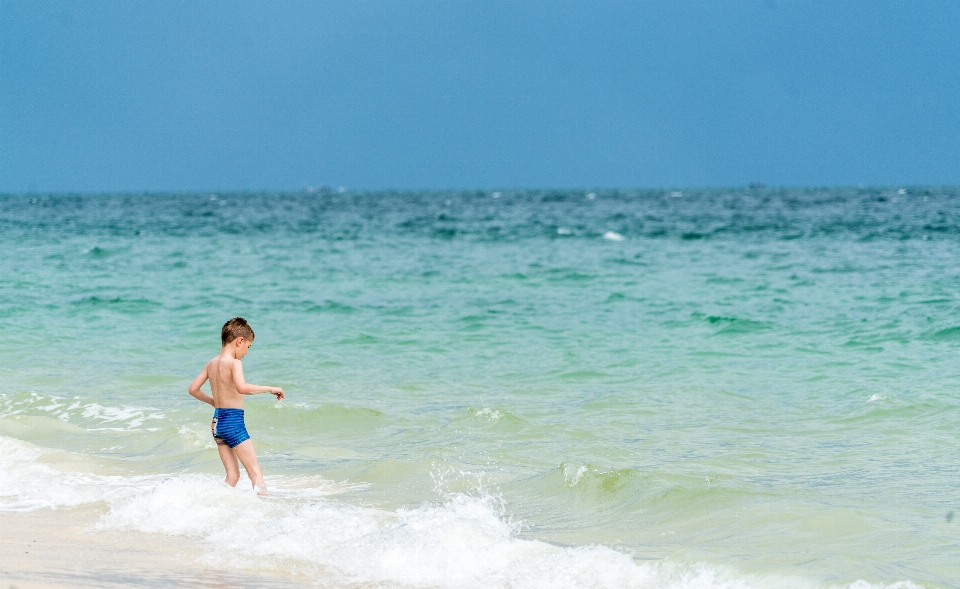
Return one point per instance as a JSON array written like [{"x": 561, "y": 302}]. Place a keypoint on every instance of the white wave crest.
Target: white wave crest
[
  {"x": 462, "y": 543},
  {"x": 488, "y": 414},
  {"x": 90, "y": 415}
]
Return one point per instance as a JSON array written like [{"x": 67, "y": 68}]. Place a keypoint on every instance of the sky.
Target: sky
[{"x": 171, "y": 95}]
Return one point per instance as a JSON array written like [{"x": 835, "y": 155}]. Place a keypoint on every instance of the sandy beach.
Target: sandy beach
[{"x": 61, "y": 549}]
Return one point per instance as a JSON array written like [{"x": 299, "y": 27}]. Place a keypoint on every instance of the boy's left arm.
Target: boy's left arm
[
  {"x": 195, "y": 388},
  {"x": 245, "y": 388}
]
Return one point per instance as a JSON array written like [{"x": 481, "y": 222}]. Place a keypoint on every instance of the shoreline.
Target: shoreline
[{"x": 61, "y": 549}]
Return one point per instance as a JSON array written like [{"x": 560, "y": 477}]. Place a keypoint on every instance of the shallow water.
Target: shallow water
[{"x": 740, "y": 388}]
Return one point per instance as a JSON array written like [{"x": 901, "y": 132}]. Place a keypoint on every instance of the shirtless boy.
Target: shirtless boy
[{"x": 225, "y": 373}]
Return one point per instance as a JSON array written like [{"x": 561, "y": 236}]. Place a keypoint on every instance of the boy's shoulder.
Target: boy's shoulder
[{"x": 222, "y": 360}]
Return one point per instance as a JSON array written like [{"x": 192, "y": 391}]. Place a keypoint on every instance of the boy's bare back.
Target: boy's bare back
[{"x": 224, "y": 371}]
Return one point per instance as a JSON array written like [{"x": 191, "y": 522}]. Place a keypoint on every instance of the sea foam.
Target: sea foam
[{"x": 463, "y": 542}]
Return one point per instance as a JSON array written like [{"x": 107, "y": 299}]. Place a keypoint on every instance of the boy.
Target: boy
[{"x": 225, "y": 373}]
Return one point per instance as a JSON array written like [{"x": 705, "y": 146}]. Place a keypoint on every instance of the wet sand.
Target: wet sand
[{"x": 61, "y": 549}]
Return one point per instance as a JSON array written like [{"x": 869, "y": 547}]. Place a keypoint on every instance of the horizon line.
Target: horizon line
[{"x": 325, "y": 190}]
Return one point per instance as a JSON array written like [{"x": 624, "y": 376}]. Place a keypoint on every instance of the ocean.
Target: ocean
[{"x": 740, "y": 388}]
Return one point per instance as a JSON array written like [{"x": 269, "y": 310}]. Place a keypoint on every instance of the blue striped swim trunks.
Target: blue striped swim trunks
[{"x": 228, "y": 427}]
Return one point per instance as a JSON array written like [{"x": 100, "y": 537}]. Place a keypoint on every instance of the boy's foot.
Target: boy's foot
[{"x": 261, "y": 490}]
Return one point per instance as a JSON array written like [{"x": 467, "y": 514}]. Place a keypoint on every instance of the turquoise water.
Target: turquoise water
[{"x": 740, "y": 388}]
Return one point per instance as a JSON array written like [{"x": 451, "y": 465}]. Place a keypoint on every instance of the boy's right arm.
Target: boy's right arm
[{"x": 195, "y": 388}]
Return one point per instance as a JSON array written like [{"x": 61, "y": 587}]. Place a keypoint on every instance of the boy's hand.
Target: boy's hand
[{"x": 277, "y": 392}]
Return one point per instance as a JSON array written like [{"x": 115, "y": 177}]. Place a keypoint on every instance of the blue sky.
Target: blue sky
[{"x": 185, "y": 95}]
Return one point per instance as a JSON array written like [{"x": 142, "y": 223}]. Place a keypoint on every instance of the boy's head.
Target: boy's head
[{"x": 236, "y": 327}]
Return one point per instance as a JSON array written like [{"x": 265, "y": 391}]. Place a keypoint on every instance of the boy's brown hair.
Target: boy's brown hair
[{"x": 236, "y": 327}]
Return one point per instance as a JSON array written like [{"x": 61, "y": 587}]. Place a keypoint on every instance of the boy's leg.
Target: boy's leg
[
  {"x": 248, "y": 456},
  {"x": 229, "y": 459}
]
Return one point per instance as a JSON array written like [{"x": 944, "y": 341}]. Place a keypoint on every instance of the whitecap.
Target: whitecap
[
  {"x": 572, "y": 474},
  {"x": 491, "y": 415}
]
